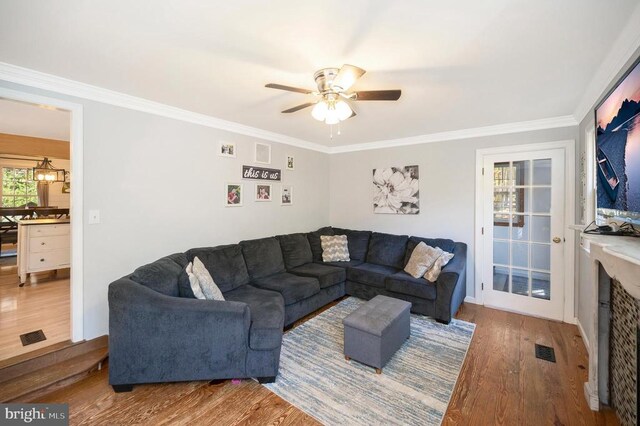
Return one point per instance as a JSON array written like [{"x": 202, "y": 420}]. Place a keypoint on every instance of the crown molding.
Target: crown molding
[
  {"x": 53, "y": 83},
  {"x": 40, "y": 80},
  {"x": 621, "y": 52},
  {"x": 499, "y": 129}
]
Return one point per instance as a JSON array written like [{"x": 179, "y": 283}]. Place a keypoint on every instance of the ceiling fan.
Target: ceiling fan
[{"x": 333, "y": 90}]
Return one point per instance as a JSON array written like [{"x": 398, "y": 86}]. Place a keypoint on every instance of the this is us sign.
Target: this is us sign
[{"x": 260, "y": 173}]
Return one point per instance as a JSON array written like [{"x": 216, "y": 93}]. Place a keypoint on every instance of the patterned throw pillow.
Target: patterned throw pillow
[
  {"x": 193, "y": 281},
  {"x": 433, "y": 273},
  {"x": 335, "y": 248},
  {"x": 207, "y": 285},
  {"x": 422, "y": 259}
]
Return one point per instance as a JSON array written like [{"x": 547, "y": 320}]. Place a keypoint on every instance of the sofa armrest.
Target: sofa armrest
[
  {"x": 159, "y": 338},
  {"x": 451, "y": 285}
]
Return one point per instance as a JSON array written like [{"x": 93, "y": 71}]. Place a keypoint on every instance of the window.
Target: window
[{"x": 18, "y": 187}]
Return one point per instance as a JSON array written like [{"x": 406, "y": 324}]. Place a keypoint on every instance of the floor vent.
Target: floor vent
[
  {"x": 32, "y": 337},
  {"x": 546, "y": 353}
]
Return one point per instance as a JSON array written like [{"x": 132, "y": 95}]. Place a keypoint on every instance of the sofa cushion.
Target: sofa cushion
[
  {"x": 263, "y": 257},
  {"x": 225, "y": 264},
  {"x": 267, "y": 315},
  {"x": 293, "y": 288},
  {"x": 370, "y": 274},
  {"x": 345, "y": 265},
  {"x": 326, "y": 275},
  {"x": 404, "y": 283},
  {"x": 161, "y": 276},
  {"x": 335, "y": 248},
  {"x": 443, "y": 243},
  {"x": 314, "y": 241},
  {"x": 358, "y": 242},
  {"x": 387, "y": 249},
  {"x": 422, "y": 259},
  {"x": 296, "y": 250}
]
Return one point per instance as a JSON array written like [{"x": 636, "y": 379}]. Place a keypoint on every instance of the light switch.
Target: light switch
[{"x": 94, "y": 217}]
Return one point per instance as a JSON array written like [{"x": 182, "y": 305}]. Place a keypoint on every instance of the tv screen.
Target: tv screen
[{"x": 618, "y": 149}]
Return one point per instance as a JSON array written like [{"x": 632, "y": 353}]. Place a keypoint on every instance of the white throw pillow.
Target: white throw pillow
[
  {"x": 193, "y": 281},
  {"x": 208, "y": 286},
  {"x": 422, "y": 259},
  {"x": 433, "y": 273},
  {"x": 335, "y": 248}
]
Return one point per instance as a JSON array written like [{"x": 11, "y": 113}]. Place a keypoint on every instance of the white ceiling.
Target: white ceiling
[
  {"x": 460, "y": 64},
  {"x": 18, "y": 118}
]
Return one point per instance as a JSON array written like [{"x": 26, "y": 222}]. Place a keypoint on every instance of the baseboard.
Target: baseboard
[
  {"x": 585, "y": 339},
  {"x": 470, "y": 299}
]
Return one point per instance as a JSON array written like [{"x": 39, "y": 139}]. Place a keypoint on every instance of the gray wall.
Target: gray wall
[
  {"x": 447, "y": 187},
  {"x": 159, "y": 186},
  {"x": 582, "y": 271}
]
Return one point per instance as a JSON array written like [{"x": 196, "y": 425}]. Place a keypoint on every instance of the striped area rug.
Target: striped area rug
[{"x": 414, "y": 388}]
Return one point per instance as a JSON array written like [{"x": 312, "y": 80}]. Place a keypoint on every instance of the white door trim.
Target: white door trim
[
  {"x": 76, "y": 141},
  {"x": 569, "y": 219}
]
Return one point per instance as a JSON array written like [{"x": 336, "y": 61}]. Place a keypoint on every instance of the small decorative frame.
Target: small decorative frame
[
  {"x": 262, "y": 153},
  {"x": 227, "y": 149},
  {"x": 263, "y": 192},
  {"x": 290, "y": 163},
  {"x": 286, "y": 195},
  {"x": 233, "y": 194},
  {"x": 66, "y": 185}
]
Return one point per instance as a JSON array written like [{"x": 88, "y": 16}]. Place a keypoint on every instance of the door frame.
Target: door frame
[
  {"x": 569, "y": 218},
  {"x": 76, "y": 203}
]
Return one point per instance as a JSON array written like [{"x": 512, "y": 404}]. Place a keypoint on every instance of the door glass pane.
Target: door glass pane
[
  {"x": 542, "y": 172},
  {"x": 520, "y": 227},
  {"x": 541, "y": 229},
  {"x": 502, "y": 174},
  {"x": 541, "y": 285},
  {"x": 501, "y": 252},
  {"x": 500, "y": 278},
  {"x": 520, "y": 254},
  {"x": 521, "y": 200},
  {"x": 541, "y": 256},
  {"x": 541, "y": 200},
  {"x": 501, "y": 226},
  {"x": 521, "y": 172},
  {"x": 520, "y": 281},
  {"x": 502, "y": 200}
]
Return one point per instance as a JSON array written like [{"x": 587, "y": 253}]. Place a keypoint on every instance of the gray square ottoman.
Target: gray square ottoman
[{"x": 376, "y": 330}]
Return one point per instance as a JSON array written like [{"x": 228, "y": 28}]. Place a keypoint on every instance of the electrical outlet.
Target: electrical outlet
[{"x": 94, "y": 217}]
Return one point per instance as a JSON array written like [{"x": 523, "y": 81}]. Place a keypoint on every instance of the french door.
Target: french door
[{"x": 523, "y": 222}]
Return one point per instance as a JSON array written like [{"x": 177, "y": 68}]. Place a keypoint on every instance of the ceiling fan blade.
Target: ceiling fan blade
[
  {"x": 353, "y": 114},
  {"x": 288, "y": 88},
  {"x": 347, "y": 75},
  {"x": 299, "y": 107},
  {"x": 378, "y": 95}
]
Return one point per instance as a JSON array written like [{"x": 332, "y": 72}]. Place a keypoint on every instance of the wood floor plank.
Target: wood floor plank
[{"x": 501, "y": 383}]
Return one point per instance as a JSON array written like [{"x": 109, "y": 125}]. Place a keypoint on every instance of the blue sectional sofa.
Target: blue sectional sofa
[{"x": 159, "y": 332}]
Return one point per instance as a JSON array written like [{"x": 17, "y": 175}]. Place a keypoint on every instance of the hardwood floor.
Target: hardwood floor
[
  {"x": 501, "y": 383},
  {"x": 43, "y": 303}
]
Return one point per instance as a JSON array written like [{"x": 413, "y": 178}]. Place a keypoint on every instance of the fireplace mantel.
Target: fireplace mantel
[{"x": 620, "y": 258}]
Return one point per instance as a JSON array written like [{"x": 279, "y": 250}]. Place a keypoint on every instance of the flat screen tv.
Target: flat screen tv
[{"x": 618, "y": 150}]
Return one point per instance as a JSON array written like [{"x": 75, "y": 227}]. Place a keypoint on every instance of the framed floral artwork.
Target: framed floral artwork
[{"x": 396, "y": 190}]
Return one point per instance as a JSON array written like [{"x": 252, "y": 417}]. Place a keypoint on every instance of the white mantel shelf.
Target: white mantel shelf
[{"x": 620, "y": 258}]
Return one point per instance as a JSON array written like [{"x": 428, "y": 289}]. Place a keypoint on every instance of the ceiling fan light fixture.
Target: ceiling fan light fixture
[
  {"x": 332, "y": 115},
  {"x": 343, "y": 110},
  {"x": 319, "y": 112}
]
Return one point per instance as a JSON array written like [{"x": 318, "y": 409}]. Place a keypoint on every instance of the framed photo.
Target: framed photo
[
  {"x": 233, "y": 194},
  {"x": 263, "y": 153},
  {"x": 263, "y": 192},
  {"x": 286, "y": 195},
  {"x": 66, "y": 185},
  {"x": 227, "y": 149},
  {"x": 290, "y": 162}
]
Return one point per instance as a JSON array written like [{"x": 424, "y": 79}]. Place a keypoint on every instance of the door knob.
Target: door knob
[{"x": 556, "y": 240}]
